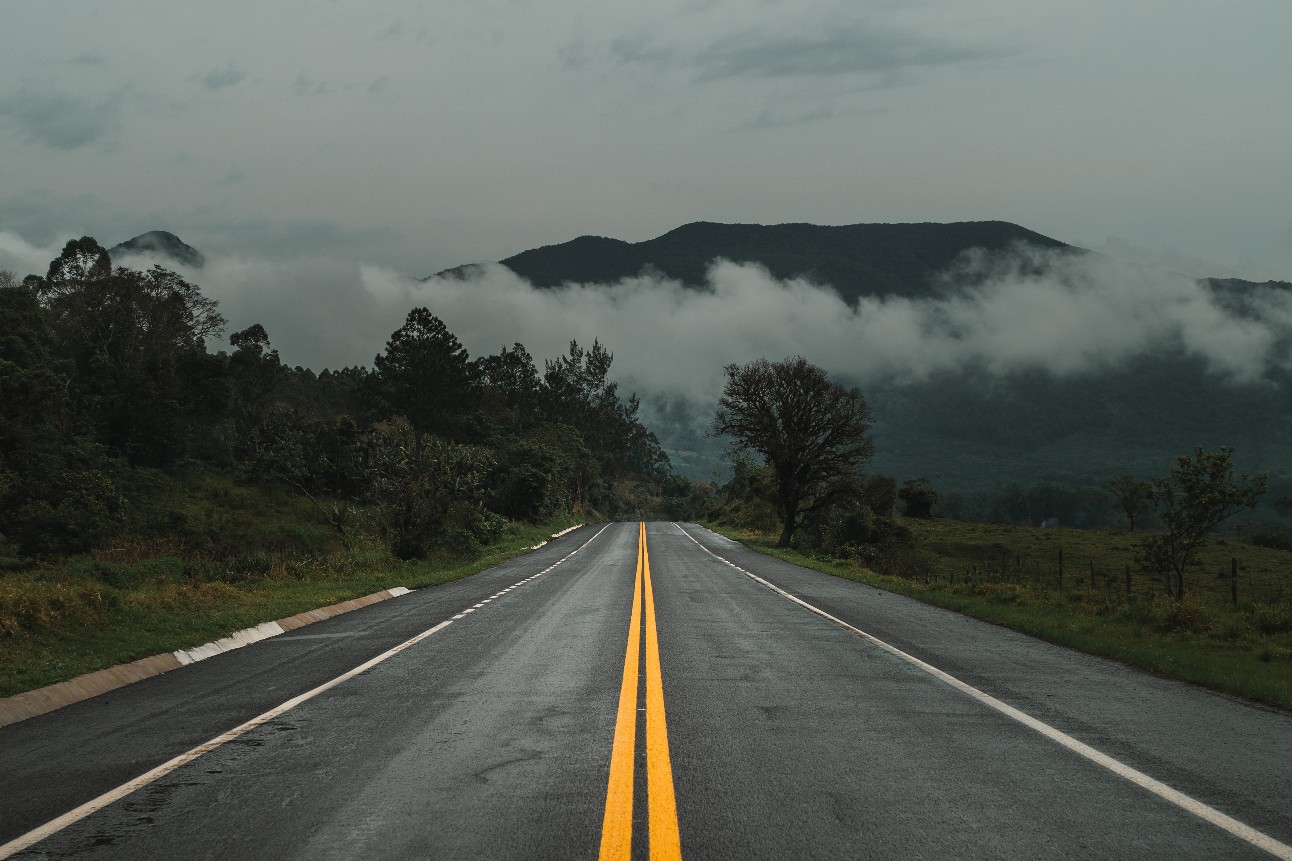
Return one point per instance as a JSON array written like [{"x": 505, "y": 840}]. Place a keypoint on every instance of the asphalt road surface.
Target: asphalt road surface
[{"x": 650, "y": 692}]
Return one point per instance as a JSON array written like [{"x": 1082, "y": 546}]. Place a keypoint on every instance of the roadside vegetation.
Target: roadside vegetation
[
  {"x": 155, "y": 495},
  {"x": 61, "y": 620},
  {"x": 1178, "y": 600},
  {"x": 157, "y": 492}
]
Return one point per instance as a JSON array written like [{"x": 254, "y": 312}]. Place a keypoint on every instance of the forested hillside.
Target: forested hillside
[{"x": 114, "y": 408}]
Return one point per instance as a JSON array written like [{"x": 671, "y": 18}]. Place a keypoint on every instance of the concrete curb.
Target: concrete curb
[
  {"x": 559, "y": 534},
  {"x": 31, "y": 703}
]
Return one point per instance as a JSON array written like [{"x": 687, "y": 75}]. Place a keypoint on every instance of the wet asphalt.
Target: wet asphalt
[{"x": 790, "y": 736}]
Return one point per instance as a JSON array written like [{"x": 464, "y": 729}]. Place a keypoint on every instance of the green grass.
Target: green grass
[
  {"x": 84, "y": 615},
  {"x": 1244, "y": 650}
]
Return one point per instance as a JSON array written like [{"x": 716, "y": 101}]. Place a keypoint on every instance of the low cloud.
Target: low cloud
[
  {"x": 1028, "y": 311},
  {"x": 24, "y": 258},
  {"x": 59, "y": 120}
]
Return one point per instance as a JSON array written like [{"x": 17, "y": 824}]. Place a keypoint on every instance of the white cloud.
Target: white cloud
[
  {"x": 1061, "y": 314},
  {"x": 24, "y": 258},
  {"x": 1029, "y": 311}
]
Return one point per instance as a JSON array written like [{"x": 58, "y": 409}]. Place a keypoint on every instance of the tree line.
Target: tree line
[{"x": 107, "y": 381}]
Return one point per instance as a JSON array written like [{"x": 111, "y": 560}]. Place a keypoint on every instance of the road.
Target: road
[{"x": 696, "y": 699}]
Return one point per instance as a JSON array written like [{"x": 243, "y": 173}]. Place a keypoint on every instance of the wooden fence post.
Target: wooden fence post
[
  {"x": 1060, "y": 569},
  {"x": 1233, "y": 580}
]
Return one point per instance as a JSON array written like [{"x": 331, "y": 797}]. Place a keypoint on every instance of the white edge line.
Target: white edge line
[
  {"x": 75, "y": 815},
  {"x": 1139, "y": 778},
  {"x": 94, "y": 805}
]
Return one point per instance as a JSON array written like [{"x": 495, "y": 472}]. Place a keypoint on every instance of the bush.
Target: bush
[
  {"x": 79, "y": 512},
  {"x": 1276, "y": 540},
  {"x": 880, "y": 493},
  {"x": 1273, "y": 619},
  {"x": 431, "y": 497}
]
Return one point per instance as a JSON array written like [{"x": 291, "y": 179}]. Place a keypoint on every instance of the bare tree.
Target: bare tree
[{"x": 812, "y": 432}]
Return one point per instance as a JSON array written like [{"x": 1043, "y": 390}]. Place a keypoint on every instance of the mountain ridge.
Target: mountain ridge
[{"x": 900, "y": 259}]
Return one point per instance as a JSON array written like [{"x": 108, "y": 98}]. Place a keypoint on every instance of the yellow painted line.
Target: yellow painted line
[
  {"x": 665, "y": 844},
  {"x": 617, "y": 825}
]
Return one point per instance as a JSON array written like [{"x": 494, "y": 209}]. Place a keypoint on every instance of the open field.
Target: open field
[
  {"x": 1020, "y": 554},
  {"x": 1009, "y": 575}
]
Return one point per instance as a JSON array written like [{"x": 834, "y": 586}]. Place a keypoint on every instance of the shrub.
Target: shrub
[
  {"x": 433, "y": 496},
  {"x": 1273, "y": 619}
]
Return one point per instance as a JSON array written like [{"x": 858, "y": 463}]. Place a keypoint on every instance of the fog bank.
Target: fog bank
[{"x": 1026, "y": 311}]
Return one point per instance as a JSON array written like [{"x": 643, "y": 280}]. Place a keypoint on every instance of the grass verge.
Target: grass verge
[
  {"x": 85, "y": 615},
  {"x": 1244, "y": 650}
]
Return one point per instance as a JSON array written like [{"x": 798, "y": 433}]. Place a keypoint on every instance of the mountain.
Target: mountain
[
  {"x": 969, "y": 431},
  {"x": 159, "y": 243},
  {"x": 856, "y": 259}
]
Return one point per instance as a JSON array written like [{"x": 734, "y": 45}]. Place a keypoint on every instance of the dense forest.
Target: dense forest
[{"x": 111, "y": 398}]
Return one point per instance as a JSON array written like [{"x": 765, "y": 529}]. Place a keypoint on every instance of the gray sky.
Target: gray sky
[
  {"x": 421, "y": 135},
  {"x": 320, "y": 152}
]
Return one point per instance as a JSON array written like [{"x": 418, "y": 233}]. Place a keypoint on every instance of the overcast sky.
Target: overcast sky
[{"x": 422, "y": 135}]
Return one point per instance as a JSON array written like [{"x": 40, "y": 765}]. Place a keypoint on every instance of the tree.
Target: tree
[
  {"x": 430, "y": 499},
  {"x": 510, "y": 384},
  {"x": 256, "y": 368},
  {"x": 918, "y": 497},
  {"x": 811, "y": 432},
  {"x": 1130, "y": 496},
  {"x": 33, "y": 382},
  {"x": 425, "y": 375},
  {"x": 1197, "y": 495},
  {"x": 137, "y": 342},
  {"x": 881, "y": 495},
  {"x": 578, "y": 393}
]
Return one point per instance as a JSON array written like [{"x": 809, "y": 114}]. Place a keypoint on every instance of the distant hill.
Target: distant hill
[
  {"x": 160, "y": 243},
  {"x": 856, "y": 259}
]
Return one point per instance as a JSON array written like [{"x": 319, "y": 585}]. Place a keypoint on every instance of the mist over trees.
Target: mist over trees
[{"x": 109, "y": 392}]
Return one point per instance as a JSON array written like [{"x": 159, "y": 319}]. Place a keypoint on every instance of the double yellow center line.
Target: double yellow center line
[{"x": 617, "y": 827}]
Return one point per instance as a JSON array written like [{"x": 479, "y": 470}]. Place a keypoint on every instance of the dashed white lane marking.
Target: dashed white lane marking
[
  {"x": 1245, "y": 832},
  {"x": 52, "y": 827}
]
